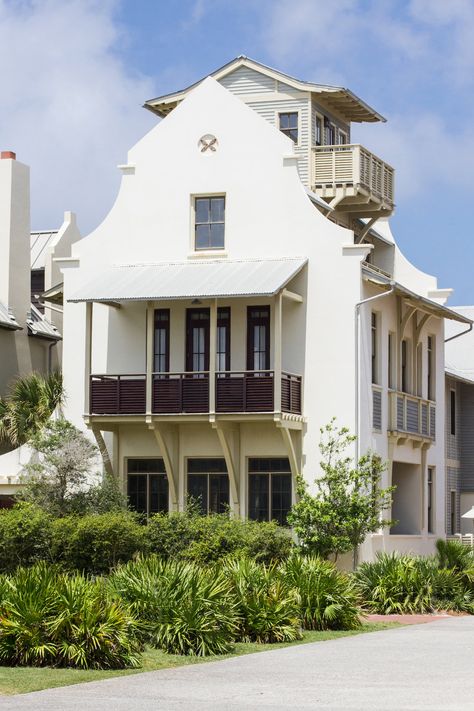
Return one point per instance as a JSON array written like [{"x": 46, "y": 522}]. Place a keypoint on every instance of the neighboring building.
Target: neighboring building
[
  {"x": 459, "y": 426},
  {"x": 213, "y": 321},
  {"x": 30, "y": 335}
]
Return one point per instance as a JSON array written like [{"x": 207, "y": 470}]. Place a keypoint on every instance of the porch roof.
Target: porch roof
[{"x": 186, "y": 280}]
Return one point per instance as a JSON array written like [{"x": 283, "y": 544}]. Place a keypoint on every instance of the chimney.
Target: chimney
[{"x": 15, "y": 260}]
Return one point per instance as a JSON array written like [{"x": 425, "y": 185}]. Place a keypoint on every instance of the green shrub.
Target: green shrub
[
  {"x": 97, "y": 542},
  {"x": 395, "y": 583},
  {"x": 181, "y": 607},
  {"x": 48, "y": 618},
  {"x": 327, "y": 596},
  {"x": 25, "y": 536},
  {"x": 205, "y": 539},
  {"x": 268, "y": 606}
]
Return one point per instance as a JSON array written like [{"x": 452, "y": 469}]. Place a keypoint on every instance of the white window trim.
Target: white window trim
[
  {"x": 289, "y": 111},
  {"x": 214, "y": 251}
]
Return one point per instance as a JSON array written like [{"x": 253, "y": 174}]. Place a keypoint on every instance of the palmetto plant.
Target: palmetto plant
[
  {"x": 29, "y": 405},
  {"x": 328, "y": 599},
  {"x": 268, "y": 606},
  {"x": 180, "y": 607},
  {"x": 50, "y": 619}
]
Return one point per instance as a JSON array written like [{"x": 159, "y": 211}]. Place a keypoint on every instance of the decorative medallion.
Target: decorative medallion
[{"x": 208, "y": 142}]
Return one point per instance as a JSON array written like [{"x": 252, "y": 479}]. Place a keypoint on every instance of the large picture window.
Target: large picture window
[
  {"x": 147, "y": 486},
  {"x": 269, "y": 489},
  {"x": 208, "y": 484},
  {"x": 209, "y": 221}
]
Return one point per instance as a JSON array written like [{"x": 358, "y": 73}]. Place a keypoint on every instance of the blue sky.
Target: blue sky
[{"x": 74, "y": 74}]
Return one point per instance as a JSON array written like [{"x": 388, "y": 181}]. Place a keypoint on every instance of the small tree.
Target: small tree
[
  {"x": 349, "y": 502},
  {"x": 59, "y": 481}
]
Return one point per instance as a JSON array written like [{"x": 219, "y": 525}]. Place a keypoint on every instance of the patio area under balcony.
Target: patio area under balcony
[{"x": 352, "y": 179}]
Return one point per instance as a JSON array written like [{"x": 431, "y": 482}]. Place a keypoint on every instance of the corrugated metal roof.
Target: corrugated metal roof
[
  {"x": 7, "y": 319},
  {"x": 38, "y": 325},
  {"x": 184, "y": 280},
  {"x": 40, "y": 242}
]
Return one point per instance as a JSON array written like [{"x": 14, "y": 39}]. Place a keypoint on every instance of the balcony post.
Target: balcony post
[
  {"x": 88, "y": 357},
  {"x": 212, "y": 356},
  {"x": 277, "y": 328},
  {"x": 150, "y": 327}
]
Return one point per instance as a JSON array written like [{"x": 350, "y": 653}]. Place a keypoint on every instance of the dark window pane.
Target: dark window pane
[
  {"x": 197, "y": 490},
  {"x": 136, "y": 486},
  {"x": 158, "y": 493},
  {"x": 269, "y": 464},
  {"x": 202, "y": 210},
  {"x": 281, "y": 497},
  {"x": 218, "y": 493},
  {"x": 202, "y": 236},
  {"x": 217, "y": 235},
  {"x": 258, "y": 497},
  {"x": 143, "y": 466},
  {"x": 204, "y": 465}
]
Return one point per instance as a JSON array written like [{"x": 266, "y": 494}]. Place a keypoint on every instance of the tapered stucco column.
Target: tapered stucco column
[
  {"x": 277, "y": 329},
  {"x": 88, "y": 357},
  {"x": 212, "y": 356},
  {"x": 150, "y": 325}
]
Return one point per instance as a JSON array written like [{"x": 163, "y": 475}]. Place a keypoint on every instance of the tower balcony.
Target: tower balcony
[{"x": 351, "y": 179}]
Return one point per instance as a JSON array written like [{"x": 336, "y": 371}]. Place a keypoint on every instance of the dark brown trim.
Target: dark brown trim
[
  {"x": 205, "y": 322},
  {"x": 254, "y": 318},
  {"x": 162, "y": 321},
  {"x": 223, "y": 321}
]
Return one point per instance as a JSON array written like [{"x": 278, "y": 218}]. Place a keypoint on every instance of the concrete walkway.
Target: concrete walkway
[{"x": 412, "y": 668}]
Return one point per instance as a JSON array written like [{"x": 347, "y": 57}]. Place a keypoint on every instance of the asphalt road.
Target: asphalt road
[{"x": 414, "y": 668}]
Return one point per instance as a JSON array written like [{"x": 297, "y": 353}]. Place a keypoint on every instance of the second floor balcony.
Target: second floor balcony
[
  {"x": 352, "y": 179},
  {"x": 191, "y": 393}
]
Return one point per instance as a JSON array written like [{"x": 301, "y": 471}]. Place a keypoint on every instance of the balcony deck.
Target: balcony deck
[
  {"x": 353, "y": 179},
  {"x": 412, "y": 416},
  {"x": 189, "y": 393}
]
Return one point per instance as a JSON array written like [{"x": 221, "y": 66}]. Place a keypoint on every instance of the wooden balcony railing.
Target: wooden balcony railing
[
  {"x": 175, "y": 393},
  {"x": 353, "y": 168},
  {"x": 412, "y": 414}
]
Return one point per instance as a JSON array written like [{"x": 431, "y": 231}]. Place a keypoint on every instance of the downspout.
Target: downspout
[
  {"x": 357, "y": 329},
  {"x": 463, "y": 333}
]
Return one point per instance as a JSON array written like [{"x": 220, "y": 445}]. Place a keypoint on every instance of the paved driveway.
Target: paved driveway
[{"x": 417, "y": 668}]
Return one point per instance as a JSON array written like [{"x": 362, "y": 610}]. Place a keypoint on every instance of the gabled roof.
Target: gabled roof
[
  {"x": 337, "y": 98},
  {"x": 189, "y": 280},
  {"x": 40, "y": 241}
]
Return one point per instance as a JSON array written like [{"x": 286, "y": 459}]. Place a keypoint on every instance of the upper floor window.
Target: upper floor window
[
  {"x": 330, "y": 133},
  {"x": 405, "y": 374},
  {"x": 431, "y": 368},
  {"x": 162, "y": 341},
  {"x": 318, "y": 131},
  {"x": 453, "y": 412},
  {"x": 289, "y": 125},
  {"x": 374, "y": 338},
  {"x": 258, "y": 338},
  {"x": 342, "y": 137},
  {"x": 209, "y": 220}
]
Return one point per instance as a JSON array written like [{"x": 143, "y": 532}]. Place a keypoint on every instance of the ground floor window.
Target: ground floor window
[
  {"x": 269, "y": 489},
  {"x": 430, "y": 499},
  {"x": 208, "y": 484},
  {"x": 147, "y": 486}
]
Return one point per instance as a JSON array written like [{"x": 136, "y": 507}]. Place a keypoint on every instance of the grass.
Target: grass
[{"x": 21, "y": 680}]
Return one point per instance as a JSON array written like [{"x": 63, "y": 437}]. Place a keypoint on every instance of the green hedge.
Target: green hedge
[{"x": 95, "y": 543}]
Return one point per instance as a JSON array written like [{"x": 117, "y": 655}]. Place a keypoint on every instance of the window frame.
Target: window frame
[
  {"x": 391, "y": 360},
  {"x": 195, "y": 223},
  {"x": 223, "y": 322},
  {"x": 453, "y": 511},
  {"x": 431, "y": 368},
  {"x": 374, "y": 346},
  {"x": 452, "y": 412},
  {"x": 269, "y": 473},
  {"x": 166, "y": 328},
  {"x": 405, "y": 371},
  {"x": 208, "y": 474},
  {"x": 258, "y": 321},
  {"x": 318, "y": 119},
  {"x": 298, "y": 125},
  {"x": 148, "y": 474},
  {"x": 430, "y": 498}
]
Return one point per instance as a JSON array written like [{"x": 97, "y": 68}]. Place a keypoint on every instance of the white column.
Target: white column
[
  {"x": 88, "y": 357},
  {"x": 212, "y": 356},
  {"x": 277, "y": 328},
  {"x": 150, "y": 327}
]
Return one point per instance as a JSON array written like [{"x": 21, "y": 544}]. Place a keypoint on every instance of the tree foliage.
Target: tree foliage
[
  {"x": 348, "y": 503},
  {"x": 28, "y": 406}
]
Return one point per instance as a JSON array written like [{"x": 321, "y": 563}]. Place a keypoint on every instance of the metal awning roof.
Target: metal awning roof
[
  {"x": 38, "y": 325},
  {"x": 187, "y": 280},
  {"x": 7, "y": 319},
  {"x": 421, "y": 302}
]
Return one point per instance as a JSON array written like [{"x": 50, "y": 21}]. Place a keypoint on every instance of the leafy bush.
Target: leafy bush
[
  {"x": 205, "y": 539},
  {"x": 327, "y": 596},
  {"x": 395, "y": 583},
  {"x": 50, "y": 619},
  {"x": 268, "y": 606},
  {"x": 182, "y": 608},
  {"x": 97, "y": 542},
  {"x": 25, "y": 536}
]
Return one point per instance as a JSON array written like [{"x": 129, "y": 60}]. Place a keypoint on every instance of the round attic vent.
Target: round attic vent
[{"x": 208, "y": 142}]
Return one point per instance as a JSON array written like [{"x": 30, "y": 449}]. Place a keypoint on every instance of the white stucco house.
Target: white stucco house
[
  {"x": 244, "y": 289},
  {"x": 30, "y": 330}
]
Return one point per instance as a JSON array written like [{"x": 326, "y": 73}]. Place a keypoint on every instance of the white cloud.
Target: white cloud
[{"x": 70, "y": 107}]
